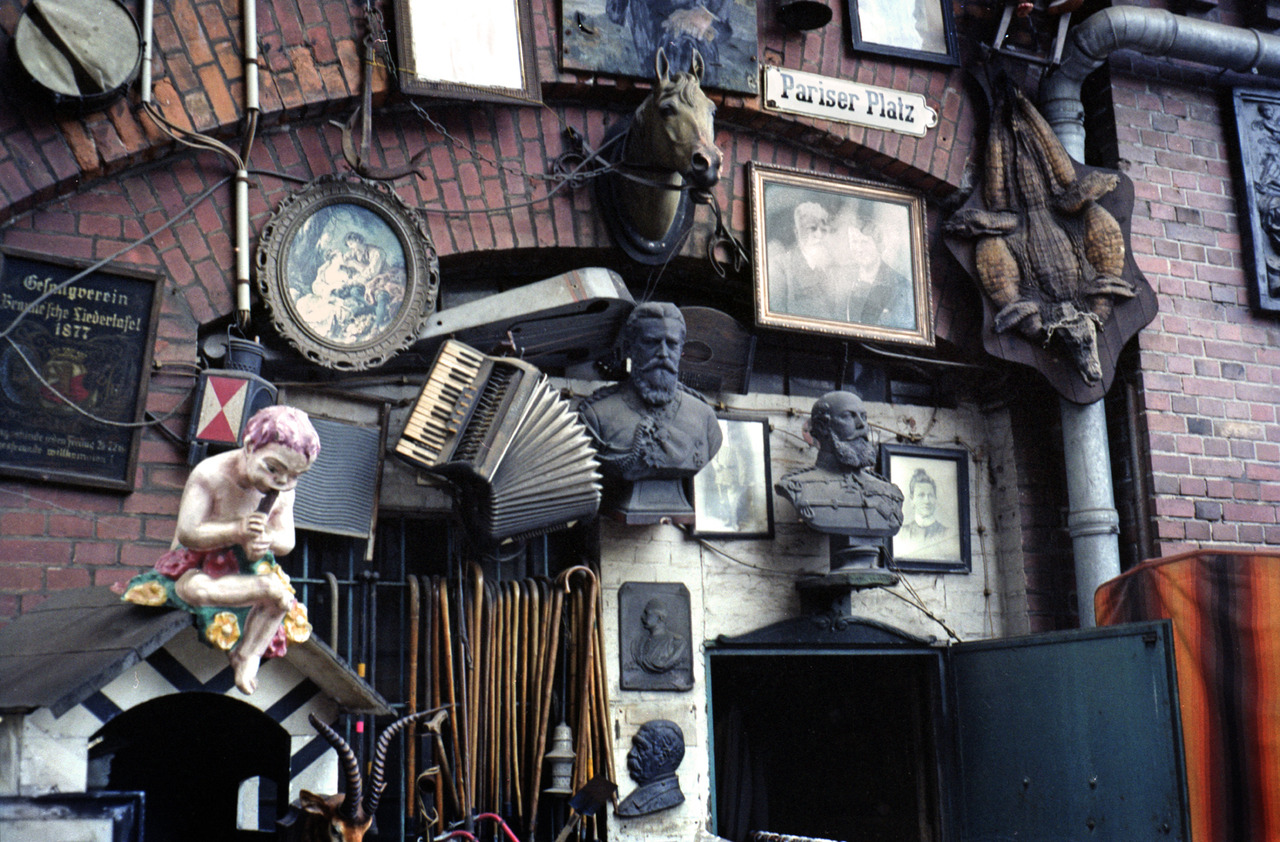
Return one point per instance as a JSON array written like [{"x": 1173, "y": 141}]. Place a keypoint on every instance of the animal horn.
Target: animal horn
[
  {"x": 377, "y": 777},
  {"x": 351, "y": 806}
]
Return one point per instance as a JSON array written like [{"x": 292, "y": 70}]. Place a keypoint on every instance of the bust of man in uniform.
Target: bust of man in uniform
[
  {"x": 651, "y": 426},
  {"x": 841, "y": 494},
  {"x": 656, "y": 751}
]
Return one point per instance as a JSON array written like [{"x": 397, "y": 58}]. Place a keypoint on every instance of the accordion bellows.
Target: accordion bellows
[{"x": 518, "y": 457}]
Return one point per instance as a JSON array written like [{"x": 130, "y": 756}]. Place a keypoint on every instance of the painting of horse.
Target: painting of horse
[
  {"x": 623, "y": 37},
  {"x": 666, "y": 159}
]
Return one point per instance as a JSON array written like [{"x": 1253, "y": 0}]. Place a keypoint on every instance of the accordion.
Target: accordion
[{"x": 515, "y": 451}]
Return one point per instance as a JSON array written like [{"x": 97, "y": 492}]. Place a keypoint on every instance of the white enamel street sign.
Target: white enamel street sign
[{"x": 811, "y": 95}]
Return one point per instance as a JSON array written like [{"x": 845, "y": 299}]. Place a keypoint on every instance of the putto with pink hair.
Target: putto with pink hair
[{"x": 282, "y": 425}]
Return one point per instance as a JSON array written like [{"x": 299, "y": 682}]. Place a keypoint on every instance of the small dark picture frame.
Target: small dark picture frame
[
  {"x": 839, "y": 256},
  {"x": 935, "y": 512},
  {"x": 733, "y": 494},
  {"x": 1258, "y": 137},
  {"x": 348, "y": 272},
  {"x": 75, "y": 364},
  {"x": 923, "y": 30}
]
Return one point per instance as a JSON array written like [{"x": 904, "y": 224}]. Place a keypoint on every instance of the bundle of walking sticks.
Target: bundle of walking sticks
[{"x": 507, "y": 659}]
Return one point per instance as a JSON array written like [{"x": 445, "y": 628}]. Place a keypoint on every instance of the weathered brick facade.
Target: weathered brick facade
[{"x": 85, "y": 187}]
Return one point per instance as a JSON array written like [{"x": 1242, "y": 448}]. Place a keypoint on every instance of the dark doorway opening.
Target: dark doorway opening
[
  {"x": 835, "y": 745},
  {"x": 213, "y": 768}
]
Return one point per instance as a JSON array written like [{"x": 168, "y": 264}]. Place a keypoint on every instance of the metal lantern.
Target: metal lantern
[
  {"x": 561, "y": 759},
  {"x": 227, "y": 398}
]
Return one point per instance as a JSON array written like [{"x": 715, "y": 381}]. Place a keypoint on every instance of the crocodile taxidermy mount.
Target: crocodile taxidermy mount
[{"x": 1049, "y": 251}]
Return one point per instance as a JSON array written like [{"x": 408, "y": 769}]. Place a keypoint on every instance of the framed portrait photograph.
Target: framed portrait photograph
[
  {"x": 733, "y": 494},
  {"x": 839, "y": 256},
  {"x": 622, "y": 37},
  {"x": 935, "y": 511},
  {"x": 479, "y": 50},
  {"x": 1258, "y": 135},
  {"x": 74, "y": 369},
  {"x": 348, "y": 272},
  {"x": 917, "y": 29}
]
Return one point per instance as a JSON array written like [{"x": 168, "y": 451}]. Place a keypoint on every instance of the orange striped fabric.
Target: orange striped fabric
[{"x": 1225, "y": 609}]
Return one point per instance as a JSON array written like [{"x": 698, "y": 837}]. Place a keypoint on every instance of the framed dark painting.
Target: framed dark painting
[
  {"x": 923, "y": 30},
  {"x": 839, "y": 256},
  {"x": 348, "y": 272},
  {"x": 75, "y": 361},
  {"x": 478, "y": 50},
  {"x": 1258, "y": 138},
  {"x": 622, "y": 37},
  {"x": 935, "y": 511},
  {"x": 733, "y": 494}
]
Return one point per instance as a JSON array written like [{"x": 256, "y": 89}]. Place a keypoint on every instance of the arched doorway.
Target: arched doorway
[{"x": 213, "y": 768}]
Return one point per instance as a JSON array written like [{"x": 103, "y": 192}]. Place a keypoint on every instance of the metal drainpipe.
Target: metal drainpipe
[{"x": 1092, "y": 521}]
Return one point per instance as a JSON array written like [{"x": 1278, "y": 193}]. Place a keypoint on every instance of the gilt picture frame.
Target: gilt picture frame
[
  {"x": 348, "y": 272},
  {"x": 839, "y": 256},
  {"x": 935, "y": 511},
  {"x": 733, "y": 494},
  {"x": 482, "y": 50},
  {"x": 923, "y": 30}
]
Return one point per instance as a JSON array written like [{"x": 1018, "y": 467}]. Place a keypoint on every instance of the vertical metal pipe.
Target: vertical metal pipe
[
  {"x": 148, "y": 12},
  {"x": 242, "y": 176},
  {"x": 1093, "y": 522},
  {"x": 251, "y": 55}
]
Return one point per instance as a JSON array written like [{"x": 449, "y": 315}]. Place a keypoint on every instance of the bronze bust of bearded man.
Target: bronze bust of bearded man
[
  {"x": 841, "y": 494},
  {"x": 651, "y": 426}
]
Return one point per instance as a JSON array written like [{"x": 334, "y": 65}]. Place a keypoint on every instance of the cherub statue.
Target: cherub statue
[{"x": 235, "y": 519}]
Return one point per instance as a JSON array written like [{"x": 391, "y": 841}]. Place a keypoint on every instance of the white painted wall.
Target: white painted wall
[{"x": 737, "y": 586}]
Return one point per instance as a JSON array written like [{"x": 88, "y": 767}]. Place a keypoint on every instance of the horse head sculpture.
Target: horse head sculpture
[
  {"x": 344, "y": 817},
  {"x": 665, "y": 154}
]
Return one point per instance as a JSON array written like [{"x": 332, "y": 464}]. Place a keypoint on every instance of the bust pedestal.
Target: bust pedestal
[{"x": 647, "y": 501}]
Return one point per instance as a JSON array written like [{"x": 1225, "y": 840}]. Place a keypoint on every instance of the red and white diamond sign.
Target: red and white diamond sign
[{"x": 222, "y": 409}]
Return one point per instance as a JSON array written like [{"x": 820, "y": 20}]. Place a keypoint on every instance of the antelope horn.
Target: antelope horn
[
  {"x": 351, "y": 807},
  {"x": 378, "y": 776}
]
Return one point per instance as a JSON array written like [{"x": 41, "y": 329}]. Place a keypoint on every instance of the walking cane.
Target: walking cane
[{"x": 411, "y": 748}]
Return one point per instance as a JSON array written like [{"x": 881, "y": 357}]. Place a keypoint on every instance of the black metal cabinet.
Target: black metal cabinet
[
  {"x": 865, "y": 733},
  {"x": 1072, "y": 735}
]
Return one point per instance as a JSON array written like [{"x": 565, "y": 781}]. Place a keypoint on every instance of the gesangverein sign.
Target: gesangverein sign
[{"x": 797, "y": 92}]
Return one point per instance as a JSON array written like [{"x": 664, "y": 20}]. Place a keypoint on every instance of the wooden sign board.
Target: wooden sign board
[{"x": 75, "y": 359}]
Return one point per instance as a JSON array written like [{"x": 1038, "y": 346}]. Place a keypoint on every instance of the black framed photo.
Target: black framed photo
[
  {"x": 1258, "y": 135},
  {"x": 478, "y": 50},
  {"x": 75, "y": 362},
  {"x": 916, "y": 29},
  {"x": 348, "y": 272},
  {"x": 733, "y": 494},
  {"x": 935, "y": 512},
  {"x": 839, "y": 256}
]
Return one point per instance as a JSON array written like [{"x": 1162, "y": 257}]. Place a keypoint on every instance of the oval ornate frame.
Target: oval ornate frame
[{"x": 421, "y": 264}]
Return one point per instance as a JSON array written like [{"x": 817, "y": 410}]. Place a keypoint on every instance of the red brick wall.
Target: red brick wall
[
  {"x": 312, "y": 61},
  {"x": 1210, "y": 365}
]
